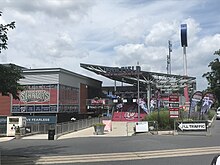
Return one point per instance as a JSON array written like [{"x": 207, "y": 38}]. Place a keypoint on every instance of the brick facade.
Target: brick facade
[{"x": 5, "y": 105}]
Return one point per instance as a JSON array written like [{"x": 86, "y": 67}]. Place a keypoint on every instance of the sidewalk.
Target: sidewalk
[
  {"x": 4, "y": 139},
  {"x": 89, "y": 132},
  {"x": 119, "y": 129}
]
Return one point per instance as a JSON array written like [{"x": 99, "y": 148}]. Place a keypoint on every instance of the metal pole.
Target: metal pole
[
  {"x": 138, "y": 93},
  {"x": 148, "y": 96},
  {"x": 185, "y": 61},
  {"x": 115, "y": 87}
]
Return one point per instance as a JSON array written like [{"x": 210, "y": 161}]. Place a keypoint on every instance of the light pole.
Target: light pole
[{"x": 138, "y": 70}]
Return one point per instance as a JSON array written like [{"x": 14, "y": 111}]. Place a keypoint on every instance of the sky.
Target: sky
[{"x": 117, "y": 33}]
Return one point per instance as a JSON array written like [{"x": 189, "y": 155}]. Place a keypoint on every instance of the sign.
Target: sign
[
  {"x": 127, "y": 116},
  {"x": 41, "y": 119},
  {"x": 174, "y": 105},
  {"x": 141, "y": 127},
  {"x": 174, "y": 113},
  {"x": 192, "y": 126},
  {"x": 174, "y": 98},
  {"x": 34, "y": 109},
  {"x": 108, "y": 125},
  {"x": 116, "y": 71},
  {"x": 98, "y": 101},
  {"x": 39, "y": 96}
]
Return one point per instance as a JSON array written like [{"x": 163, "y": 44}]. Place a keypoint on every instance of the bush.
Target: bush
[
  {"x": 164, "y": 120},
  {"x": 211, "y": 114},
  {"x": 98, "y": 124}
]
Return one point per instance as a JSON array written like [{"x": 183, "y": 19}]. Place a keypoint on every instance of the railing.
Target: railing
[
  {"x": 64, "y": 128},
  {"x": 60, "y": 128}
]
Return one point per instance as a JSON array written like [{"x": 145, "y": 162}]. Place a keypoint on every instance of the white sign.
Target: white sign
[
  {"x": 141, "y": 127},
  {"x": 174, "y": 114},
  {"x": 192, "y": 126}
]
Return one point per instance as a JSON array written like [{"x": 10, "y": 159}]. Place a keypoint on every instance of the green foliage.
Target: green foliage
[
  {"x": 9, "y": 77},
  {"x": 3, "y": 34},
  {"x": 9, "y": 74},
  {"x": 213, "y": 77},
  {"x": 164, "y": 121},
  {"x": 211, "y": 114},
  {"x": 98, "y": 124}
]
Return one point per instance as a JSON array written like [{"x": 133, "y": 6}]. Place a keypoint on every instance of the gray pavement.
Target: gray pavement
[{"x": 118, "y": 129}]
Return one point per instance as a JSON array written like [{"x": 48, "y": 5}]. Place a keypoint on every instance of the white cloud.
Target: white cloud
[{"x": 112, "y": 33}]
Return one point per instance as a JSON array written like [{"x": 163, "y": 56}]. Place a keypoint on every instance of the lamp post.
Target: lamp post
[{"x": 138, "y": 70}]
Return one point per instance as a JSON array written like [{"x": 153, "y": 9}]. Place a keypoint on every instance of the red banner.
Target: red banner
[{"x": 127, "y": 116}]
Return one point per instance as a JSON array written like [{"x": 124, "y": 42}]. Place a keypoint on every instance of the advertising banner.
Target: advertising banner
[
  {"x": 41, "y": 119},
  {"x": 207, "y": 101},
  {"x": 196, "y": 97},
  {"x": 44, "y": 94},
  {"x": 36, "y": 98},
  {"x": 127, "y": 116},
  {"x": 143, "y": 105}
]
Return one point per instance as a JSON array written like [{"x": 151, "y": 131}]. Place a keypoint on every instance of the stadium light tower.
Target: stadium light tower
[
  {"x": 138, "y": 83},
  {"x": 184, "y": 45}
]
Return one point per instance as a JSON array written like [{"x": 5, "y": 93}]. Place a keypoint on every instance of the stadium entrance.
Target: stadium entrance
[{"x": 144, "y": 91}]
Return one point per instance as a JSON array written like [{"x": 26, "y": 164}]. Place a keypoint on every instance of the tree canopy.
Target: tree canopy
[
  {"x": 3, "y": 34},
  {"x": 9, "y": 74},
  {"x": 213, "y": 77}
]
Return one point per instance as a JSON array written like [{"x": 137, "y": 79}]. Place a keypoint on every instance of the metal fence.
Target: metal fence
[
  {"x": 68, "y": 127},
  {"x": 60, "y": 128}
]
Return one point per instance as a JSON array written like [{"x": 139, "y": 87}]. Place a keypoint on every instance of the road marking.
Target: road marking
[
  {"x": 128, "y": 155},
  {"x": 86, "y": 158}
]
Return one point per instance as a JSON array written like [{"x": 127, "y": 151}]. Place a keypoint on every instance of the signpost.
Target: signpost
[
  {"x": 174, "y": 105},
  {"x": 174, "y": 108}
]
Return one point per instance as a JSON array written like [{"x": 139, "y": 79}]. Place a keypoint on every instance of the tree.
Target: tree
[
  {"x": 213, "y": 77},
  {"x": 9, "y": 74},
  {"x": 3, "y": 34}
]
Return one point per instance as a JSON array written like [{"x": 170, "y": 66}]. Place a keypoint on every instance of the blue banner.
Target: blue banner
[{"x": 41, "y": 119}]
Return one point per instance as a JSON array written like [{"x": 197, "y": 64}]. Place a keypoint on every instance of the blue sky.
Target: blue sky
[{"x": 55, "y": 33}]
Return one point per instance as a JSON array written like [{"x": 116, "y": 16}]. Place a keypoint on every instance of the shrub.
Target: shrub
[
  {"x": 211, "y": 114},
  {"x": 98, "y": 124},
  {"x": 164, "y": 120}
]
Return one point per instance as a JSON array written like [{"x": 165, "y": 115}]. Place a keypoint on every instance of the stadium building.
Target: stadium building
[{"x": 51, "y": 95}]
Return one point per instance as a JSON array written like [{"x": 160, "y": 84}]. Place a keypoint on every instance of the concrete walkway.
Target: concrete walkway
[{"x": 118, "y": 129}]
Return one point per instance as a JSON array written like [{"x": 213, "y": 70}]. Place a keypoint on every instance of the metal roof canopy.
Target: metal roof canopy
[{"x": 129, "y": 75}]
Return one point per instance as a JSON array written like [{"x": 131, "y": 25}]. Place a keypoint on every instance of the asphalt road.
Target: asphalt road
[{"x": 139, "y": 149}]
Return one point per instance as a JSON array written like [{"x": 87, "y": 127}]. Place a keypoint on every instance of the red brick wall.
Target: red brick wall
[
  {"x": 5, "y": 104},
  {"x": 83, "y": 97}
]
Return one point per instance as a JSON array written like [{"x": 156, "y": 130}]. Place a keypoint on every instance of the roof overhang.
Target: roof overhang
[{"x": 131, "y": 74}]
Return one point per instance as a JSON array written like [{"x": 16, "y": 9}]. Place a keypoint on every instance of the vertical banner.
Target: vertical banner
[
  {"x": 186, "y": 94},
  {"x": 143, "y": 105},
  {"x": 157, "y": 98},
  {"x": 196, "y": 97},
  {"x": 207, "y": 101}
]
